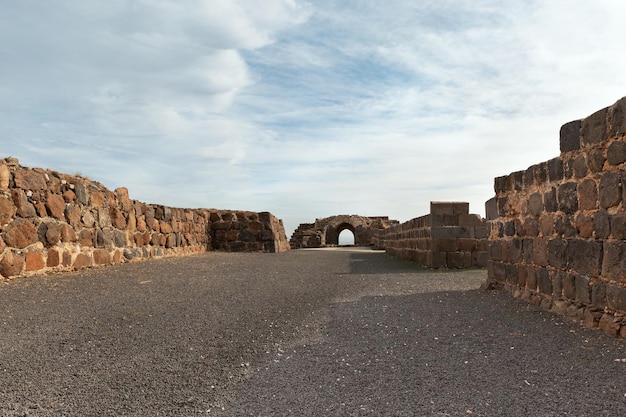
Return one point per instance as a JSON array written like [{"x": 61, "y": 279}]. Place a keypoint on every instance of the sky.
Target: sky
[{"x": 306, "y": 109}]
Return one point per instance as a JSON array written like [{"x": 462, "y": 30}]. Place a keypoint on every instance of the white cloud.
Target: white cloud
[{"x": 305, "y": 109}]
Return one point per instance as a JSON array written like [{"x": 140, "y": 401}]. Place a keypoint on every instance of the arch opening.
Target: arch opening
[{"x": 346, "y": 238}]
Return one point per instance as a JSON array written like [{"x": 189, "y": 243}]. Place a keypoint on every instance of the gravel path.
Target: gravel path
[{"x": 302, "y": 333}]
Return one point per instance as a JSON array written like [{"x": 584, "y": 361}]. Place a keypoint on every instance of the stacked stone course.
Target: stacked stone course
[
  {"x": 51, "y": 222},
  {"x": 447, "y": 237},
  {"x": 558, "y": 229}
]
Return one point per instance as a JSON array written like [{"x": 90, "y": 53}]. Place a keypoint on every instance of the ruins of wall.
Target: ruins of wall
[
  {"x": 54, "y": 222},
  {"x": 559, "y": 227},
  {"x": 325, "y": 231},
  {"x": 447, "y": 237}
]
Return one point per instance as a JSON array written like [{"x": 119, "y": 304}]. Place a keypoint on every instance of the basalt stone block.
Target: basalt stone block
[
  {"x": 171, "y": 241},
  {"x": 587, "y": 195},
  {"x": 546, "y": 225},
  {"x": 598, "y": 295},
  {"x": 7, "y": 209},
  {"x": 616, "y": 153},
  {"x": 53, "y": 259},
  {"x": 569, "y": 136},
  {"x": 501, "y": 184},
  {"x": 515, "y": 250},
  {"x": 585, "y": 257},
  {"x": 618, "y": 225},
  {"x": 29, "y": 180},
  {"x": 56, "y": 206},
  {"x": 580, "y": 166},
  {"x": 567, "y": 197},
  {"x": 479, "y": 259},
  {"x": 557, "y": 284},
  {"x": 509, "y": 228},
  {"x": 583, "y": 290},
  {"x": 502, "y": 206},
  {"x": 101, "y": 257},
  {"x": 34, "y": 261},
  {"x": 531, "y": 277},
  {"x": 564, "y": 226},
  {"x": 616, "y": 297},
  {"x": 481, "y": 232},
  {"x": 511, "y": 274},
  {"x": 491, "y": 209},
  {"x": 73, "y": 215},
  {"x": 544, "y": 281},
  {"x": 496, "y": 249},
  {"x": 23, "y": 207},
  {"x": 610, "y": 190},
  {"x": 584, "y": 224},
  {"x": 522, "y": 274},
  {"x": 531, "y": 227},
  {"x": 517, "y": 180},
  {"x": 53, "y": 234},
  {"x": 20, "y": 234},
  {"x": 527, "y": 250},
  {"x": 594, "y": 128},
  {"x": 5, "y": 177},
  {"x": 87, "y": 238},
  {"x": 540, "y": 251},
  {"x": 535, "y": 204},
  {"x": 97, "y": 198},
  {"x": 549, "y": 199},
  {"x": 614, "y": 261},
  {"x": 596, "y": 160},
  {"x": 569, "y": 286},
  {"x": 555, "y": 169},
  {"x": 557, "y": 253},
  {"x": 617, "y": 116},
  {"x": 82, "y": 194},
  {"x": 529, "y": 176},
  {"x": 451, "y": 232},
  {"x": 68, "y": 234},
  {"x": 602, "y": 224},
  {"x": 11, "y": 264},
  {"x": 82, "y": 260},
  {"x": 119, "y": 238}
]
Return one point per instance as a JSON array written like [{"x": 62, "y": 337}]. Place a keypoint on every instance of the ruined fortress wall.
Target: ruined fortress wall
[
  {"x": 559, "y": 227},
  {"x": 447, "y": 237},
  {"x": 54, "y": 222}
]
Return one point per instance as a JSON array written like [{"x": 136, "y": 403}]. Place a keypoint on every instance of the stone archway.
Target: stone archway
[{"x": 325, "y": 232}]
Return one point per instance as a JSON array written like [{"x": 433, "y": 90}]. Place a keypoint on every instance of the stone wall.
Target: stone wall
[
  {"x": 447, "y": 237},
  {"x": 325, "y": 231},
  {"x": 53, "y": 222},
  {"x": 559, "y": 228}
]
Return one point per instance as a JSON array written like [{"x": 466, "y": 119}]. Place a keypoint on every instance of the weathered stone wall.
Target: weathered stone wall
[
  {"x": 325, "y": 232},
  {"x": 447, "y": 237},
  {"x": 52, "y": 222},
  {"x": 559, "y": 228}
]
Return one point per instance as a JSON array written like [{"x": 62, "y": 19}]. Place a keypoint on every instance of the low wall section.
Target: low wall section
[
  {"x": 559, "y": 228},
  {"x": 52, "y": 222},
  {"x": 447, "y": 237}
]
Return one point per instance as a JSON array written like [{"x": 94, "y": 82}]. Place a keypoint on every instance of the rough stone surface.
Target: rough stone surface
[
  {"x": 5, "y": 177},
  {"x": 56, "y": 206},
  {"x": 610, "y": 190},
  {"x": 24, "y": 208},
  {"x": 29, "y": 180},
  {"x": 588, "y": 195},
  {"x": 584, "y": 223},
  {"x": 35, "y": 261},
  {"x": 7, "y": 209},
  {"x": 11, "y": 264},
  {"x": 616, "y": 153},
  {"x": 20, "y": 234}
]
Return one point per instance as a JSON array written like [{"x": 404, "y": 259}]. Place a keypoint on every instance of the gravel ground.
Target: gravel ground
[{"x": 302, "y": 333}]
